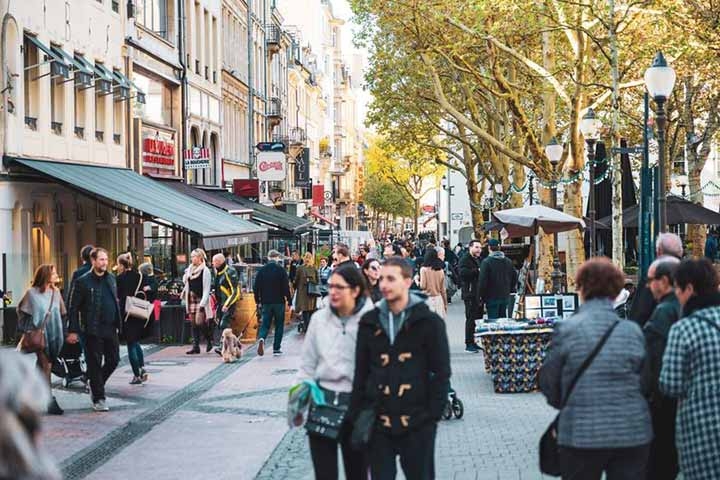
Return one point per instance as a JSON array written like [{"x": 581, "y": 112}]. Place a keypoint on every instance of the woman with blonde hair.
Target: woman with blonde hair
[
  {"x": 196, "y": 293},
  {"x": 305, "y": 303},
  {"x": 42, "y": 307}
]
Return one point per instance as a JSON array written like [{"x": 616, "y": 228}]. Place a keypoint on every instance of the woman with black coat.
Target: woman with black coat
[{"x": 130, "y": 284}]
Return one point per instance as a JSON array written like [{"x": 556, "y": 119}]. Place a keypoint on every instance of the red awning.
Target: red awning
[{"x": 315, "y": 214}]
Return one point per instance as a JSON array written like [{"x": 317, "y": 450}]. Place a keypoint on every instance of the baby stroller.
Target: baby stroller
[
  {"x": 70, "y": 365},
  {"x": 454, "y": 406}
]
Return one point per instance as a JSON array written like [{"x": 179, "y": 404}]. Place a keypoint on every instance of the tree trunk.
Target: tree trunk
[
  {"x": 417, "y": 217},
  {"x": 696, "y": 234},
  {"x": 618, "y": 251},
  {"x": 545, "y": 245}
]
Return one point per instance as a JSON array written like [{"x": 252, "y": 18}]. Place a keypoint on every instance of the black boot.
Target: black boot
[
  {"x": 196, "y": 342},
  {"x": 54, "y": 408},
  {"x": 209, "y": 338}
]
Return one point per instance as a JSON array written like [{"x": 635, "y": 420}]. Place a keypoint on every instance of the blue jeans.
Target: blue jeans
[
  {"x": 136, "y": 357},
  {"x": 276, "y": 312},
  {"x": 497, "y": 308}
]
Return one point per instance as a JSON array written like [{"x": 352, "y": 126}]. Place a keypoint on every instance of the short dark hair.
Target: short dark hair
[
  {"x": 599, "y": 278},
  {"x": 342, "y": 249},
  {"x": 699, "y": 273},
  {"x": 95, "y": 251},
  {"x": 396, "y": 261},
  {"x": 474, "y": 240},
  {"x": 85, "y": 253},
  {"x": 353, "y": 277},
  {"x": 666, "y": 269}
]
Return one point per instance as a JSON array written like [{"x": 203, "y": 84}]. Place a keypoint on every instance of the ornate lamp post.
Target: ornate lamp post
[
  {"x": 590, "y": 128},
  {"x": 554, "y": 151},
  {"x": 660, "y": 80}
]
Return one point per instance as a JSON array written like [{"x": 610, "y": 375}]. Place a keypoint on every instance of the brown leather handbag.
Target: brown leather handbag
[{"x": 34, "y": 340}]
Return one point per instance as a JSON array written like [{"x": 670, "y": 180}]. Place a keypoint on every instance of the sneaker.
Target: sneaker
[
  {"x": 277, "y": 353},
  {"x": 472, "y": 348},
  {"x": 193, "y": 351},
  {"x": 54, "y": 408},
  {"x": 136, "y": 381},
  {"x": 261, "y": 347},
  {"x": 218, "y": 350},
  {"x": 100, "y": 406}
]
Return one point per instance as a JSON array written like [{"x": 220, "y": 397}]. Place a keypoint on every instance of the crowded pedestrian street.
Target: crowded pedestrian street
[{"x": 201, "y": 418}]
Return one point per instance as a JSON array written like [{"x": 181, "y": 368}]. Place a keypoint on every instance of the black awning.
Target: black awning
[
  {"x": 158, "y": 202},
  {"x": 58, "y": 66},
  {"x": 207, "y": 196},
  {"x": 269, "y": 215}
]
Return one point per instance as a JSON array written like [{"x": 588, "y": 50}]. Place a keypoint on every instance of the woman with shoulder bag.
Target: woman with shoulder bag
[
  {"x": 328, "y": 358},
  {"x": 129, "y": 284},
  {"x": 592, "y": 373},
  {"x": 40, "y": 318},
  {"x": 306, "y": 275}
]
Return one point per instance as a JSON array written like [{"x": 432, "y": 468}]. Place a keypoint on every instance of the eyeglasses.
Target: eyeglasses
[
  {"x": 337, "y": 286},
  {"x": 375, "y": 268}
]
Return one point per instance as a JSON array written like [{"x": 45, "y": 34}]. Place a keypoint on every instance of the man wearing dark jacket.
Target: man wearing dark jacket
[
  {"x": 469, "y": 273},
  {"x": 271, "y": 291},
  {"x": 95, "y": 312},
  {"x": 663, "y": 461},
  {"x": 82, "y": 270},
  {"x": 402, "y": 372},
  {"x": 496, "y": 280},
  {"x": 666, "y": 245}
]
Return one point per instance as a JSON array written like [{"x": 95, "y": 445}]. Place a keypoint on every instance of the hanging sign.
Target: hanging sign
[
  {"x": 158, "y": 150},
  {"x": 302, "y": 170},
  {"x": 271, "y": 166},
  {"x": 197, "y": 158}
]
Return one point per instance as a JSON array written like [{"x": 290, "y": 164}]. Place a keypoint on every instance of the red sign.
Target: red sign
[
  {"x": 246, "y": 188},
  {"x": 158, "y": 152},
  {"x": 265, "y": 166},
  {"x": 318, "y": 195}
]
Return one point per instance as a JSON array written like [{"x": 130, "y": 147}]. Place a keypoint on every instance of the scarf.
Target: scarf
[
  {"x": 194, "y": 271},
  {"x": 699, "y": 302}
]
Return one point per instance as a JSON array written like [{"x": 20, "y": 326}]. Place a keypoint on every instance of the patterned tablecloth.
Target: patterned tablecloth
[{"x": 513, "y": 358}]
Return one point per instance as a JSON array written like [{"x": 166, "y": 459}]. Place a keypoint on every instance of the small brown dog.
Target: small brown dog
[{"x": 230, "y": 346}]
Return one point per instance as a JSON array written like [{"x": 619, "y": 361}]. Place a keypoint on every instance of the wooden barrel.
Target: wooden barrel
[{"x": 245, "y": 321}]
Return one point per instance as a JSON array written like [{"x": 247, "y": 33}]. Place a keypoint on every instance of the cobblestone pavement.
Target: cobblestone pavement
[{"x": 199, "y": 417}]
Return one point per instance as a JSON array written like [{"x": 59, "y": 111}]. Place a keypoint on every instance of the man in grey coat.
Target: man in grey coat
[{"x": 605, "y": 423}]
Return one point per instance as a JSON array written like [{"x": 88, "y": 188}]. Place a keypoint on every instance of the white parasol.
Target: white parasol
[{"x": 526, "y": 221}]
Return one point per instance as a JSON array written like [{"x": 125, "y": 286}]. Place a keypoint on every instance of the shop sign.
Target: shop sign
[
  {"x": 158, "y": 151},
  {"x": 302, "y": 170},
  {"x": 318, "y": 195},
  {"x": 197, "y": 158},
  {"x": 271, "y": 166}
]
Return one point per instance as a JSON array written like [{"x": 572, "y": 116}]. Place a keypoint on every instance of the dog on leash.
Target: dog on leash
[{"x": 230, "y": 346}]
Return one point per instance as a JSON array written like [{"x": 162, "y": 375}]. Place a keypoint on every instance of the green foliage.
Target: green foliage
[{"x": 382, "y": 196}]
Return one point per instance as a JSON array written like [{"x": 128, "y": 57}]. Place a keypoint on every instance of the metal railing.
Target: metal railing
[
  {"x": 297, "y": 135},
  {"x": 272, "y": 34},
  {"x": 274, "y": 107}
]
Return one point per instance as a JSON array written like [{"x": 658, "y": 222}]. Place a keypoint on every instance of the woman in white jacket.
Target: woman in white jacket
[
  {"x": 328, "y": 358},
  {"x": 198, "y": 282}
]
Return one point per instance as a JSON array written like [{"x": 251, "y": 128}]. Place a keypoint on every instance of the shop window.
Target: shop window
[
  {"x": 40, "y": 241},
  {"x": 158, "y": 99},
  {"x": 31, "y": 59},
  {"x": 80, "y": 109}
]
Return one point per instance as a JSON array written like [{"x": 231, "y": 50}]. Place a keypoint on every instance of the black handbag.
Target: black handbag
[
  {"x": 313, "y": 289},
  {"x": 327, "y": 420},
  {"x": 549, "y": 448}
]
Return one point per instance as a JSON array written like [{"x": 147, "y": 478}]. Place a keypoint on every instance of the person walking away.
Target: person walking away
[
  {"x": 469, "y": 273},
  {"x": 328, "y": 358},
  {"x": 23, "y": 396},
  {"x": 81, "y": 270},
  {"x": 129, "y": 284},
  {"x": 402, "y": 377},
  {"x": 342, "y": 255},
  {"x": 42, "y": 307},
  {"x": 496, "y": 280},
  {"x": 663, "y": 460},
  {"x": 198, "y": 282},
  {"x": 95, "y": 312},
  {"x": 295, "y": 263},
  {"x": 711, "y": 246},
  {"x": 604, "y": 422},
  {"x": 432, "y": 282},
  {"x": 271, "y": 291},
  {"x": 306, "y": 273},
  {"x": 227, "y": 292},
  {"x": 666, "y": 245},
  {"x": 371, "y": 271},
  {"x": 691, "y": 369}
]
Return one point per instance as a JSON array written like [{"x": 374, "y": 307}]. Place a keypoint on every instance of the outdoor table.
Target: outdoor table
[{"x": 513, "y": 356}]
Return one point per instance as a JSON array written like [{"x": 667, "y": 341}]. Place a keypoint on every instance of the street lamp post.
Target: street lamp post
[
  {"x": 590, "y": 129},
  {"x": 447, "y": 186},
  {"x": 660, "y": 80},
  {"x": 554, "y": 151}
]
